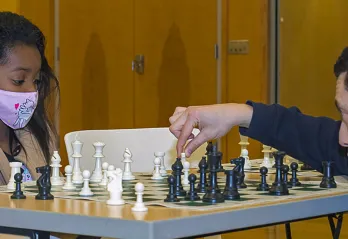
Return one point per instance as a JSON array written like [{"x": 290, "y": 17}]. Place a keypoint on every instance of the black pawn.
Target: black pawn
[
  {"x": 171, "y": 196},
  {"x": 231, "y": 190},
  {"x": 202, "y": 185},
  {"x": 18, "y": 193},
  {"x": 285, "y": 175},
  {"x": 263, "y": 186},
  {"x": 328, "y": 181},
  {"x": 294, "y": 180},
  {"x": 192, "y": 194}
]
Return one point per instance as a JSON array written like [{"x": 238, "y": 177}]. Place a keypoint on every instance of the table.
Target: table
[{"x": 98, "y": 219}]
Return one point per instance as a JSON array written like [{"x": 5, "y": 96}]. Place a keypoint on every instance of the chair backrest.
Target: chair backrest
[{"x": 142, "y": 143}]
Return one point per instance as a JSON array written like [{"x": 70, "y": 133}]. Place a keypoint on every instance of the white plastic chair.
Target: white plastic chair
[{"x": 142, "y": 143}]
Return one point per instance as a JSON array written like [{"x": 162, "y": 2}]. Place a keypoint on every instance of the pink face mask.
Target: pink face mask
[{"x": 17, "y": 108}]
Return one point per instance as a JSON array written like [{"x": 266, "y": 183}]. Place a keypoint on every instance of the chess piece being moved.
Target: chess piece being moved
[
  {"x": 18, "y": 193},
  {"x": 328, "y": 180},
  {"x": 56, "y": 180},
  {"x": 77, "y": 174},
  {"x": 86, "y": 190},
  {"x": 97, "y": 175},
  {"x": 163, "y": 170},
  {"x": 68, "y": 183},
  {"x": 266, "y": 157},
  {"x": 15, "y": 168},
  {"x": 44, "y": 183},
  {"x": 127, "y": 160},
  {"x": 139, "y": 206},
  {"x": 186, "y": 170},
  {"x": 245, "y": 155}
]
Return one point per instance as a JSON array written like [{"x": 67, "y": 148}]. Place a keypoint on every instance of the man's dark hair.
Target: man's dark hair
[
  {"x": 341, "y": 64},
  {"x": 17, "y": 30}
]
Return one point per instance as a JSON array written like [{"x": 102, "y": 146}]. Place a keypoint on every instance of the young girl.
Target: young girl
[{"x": 26, "y": 81}]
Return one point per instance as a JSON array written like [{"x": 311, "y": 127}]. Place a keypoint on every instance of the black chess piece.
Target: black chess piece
[
  {"x": 294, "y": 180},
  {"x": 231, "y": 190},
  {"x": 278, "y": 187},
  {"x": 285, "y": 175},
  {"x": 263, "y": 186},
  {"x": 171, "y": 196},
  {"x": 239, "y": 162},
  {"x": 18, "y": 193},
  {"x": 202, "y": 184},
  {"x": 213, "y": 193},
  {"x": 177, "y": 168},
  {"x": 219, "y": 166},
  {"x": 44, "y": 183},
  {"x": 192, "y": 194},
  {"x": 328, "y": 180}
]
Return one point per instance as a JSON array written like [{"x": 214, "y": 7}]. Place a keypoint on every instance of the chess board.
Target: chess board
[{"x": 156, "y": 191}]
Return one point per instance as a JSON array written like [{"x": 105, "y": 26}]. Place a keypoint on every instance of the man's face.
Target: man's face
[{"x": 342, "y": 105}]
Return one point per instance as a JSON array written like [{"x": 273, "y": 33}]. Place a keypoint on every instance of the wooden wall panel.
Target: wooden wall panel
[
  {"x": 246, "y": 76},
  {"x": 177, "y": 39},
  {"x": 9, "y": 5},
  {"x": 96, "y": 53},
  {"x": 312, "y": 37}
]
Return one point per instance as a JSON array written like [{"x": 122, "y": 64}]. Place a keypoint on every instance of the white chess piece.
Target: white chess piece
[
  {"x": 266, "y": 158},
  {"x": 247, "y": 164},
  {"x": 115, "y": 187},
  {"x": 56, "y": 180},
  {"x": 86, "y": 190},
  {"x": 156, "y": 174},
  {"x": 15, "y": 168},
  {"x": 77, "y": 175},
  {"x": 139, "y": 206},
  {"x": 127, "y": 172},
  {"x": 104, "y": 181},
  {"x": 243, "y": 143},
  {"x": 186, "y": 170},
  {"x": 163, "y": 170},
  {"x": 183, "y": 157},
  {"x": 97, "y": 175},
  {"x": 68, "y": 183}
]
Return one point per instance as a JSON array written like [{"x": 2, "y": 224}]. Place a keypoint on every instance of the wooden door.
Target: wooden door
[
  {"x": 96, "y": 53},
  {"x": 311, "y": 39},
  {"x": 177, "y": 39}
]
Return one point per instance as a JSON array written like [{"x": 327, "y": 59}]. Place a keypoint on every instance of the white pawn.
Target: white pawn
[
  {"x": 247, "y": 163},
  {"x": 139, "y": 206},
  {"x": 157, "y": 174},
  {"x": 68, "y": 183},
  {"x": 86, "y": 191},
  {"x": 104, "y": 180},
  {"x": 15, "y": 168},
  {"x": 186, "y": 170},
  {"x": 183, "y": 157}
]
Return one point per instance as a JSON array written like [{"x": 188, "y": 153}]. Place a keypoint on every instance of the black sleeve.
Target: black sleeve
[{"x": 306, "y": 138}]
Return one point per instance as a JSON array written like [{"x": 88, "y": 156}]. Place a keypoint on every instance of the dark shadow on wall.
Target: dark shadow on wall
[
  {"x": 95, "y": 100},
  {"x": 174, "y": 77}
]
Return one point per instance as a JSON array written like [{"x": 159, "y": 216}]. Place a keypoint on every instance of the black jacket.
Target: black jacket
[{"x": 306, "y": 138}]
